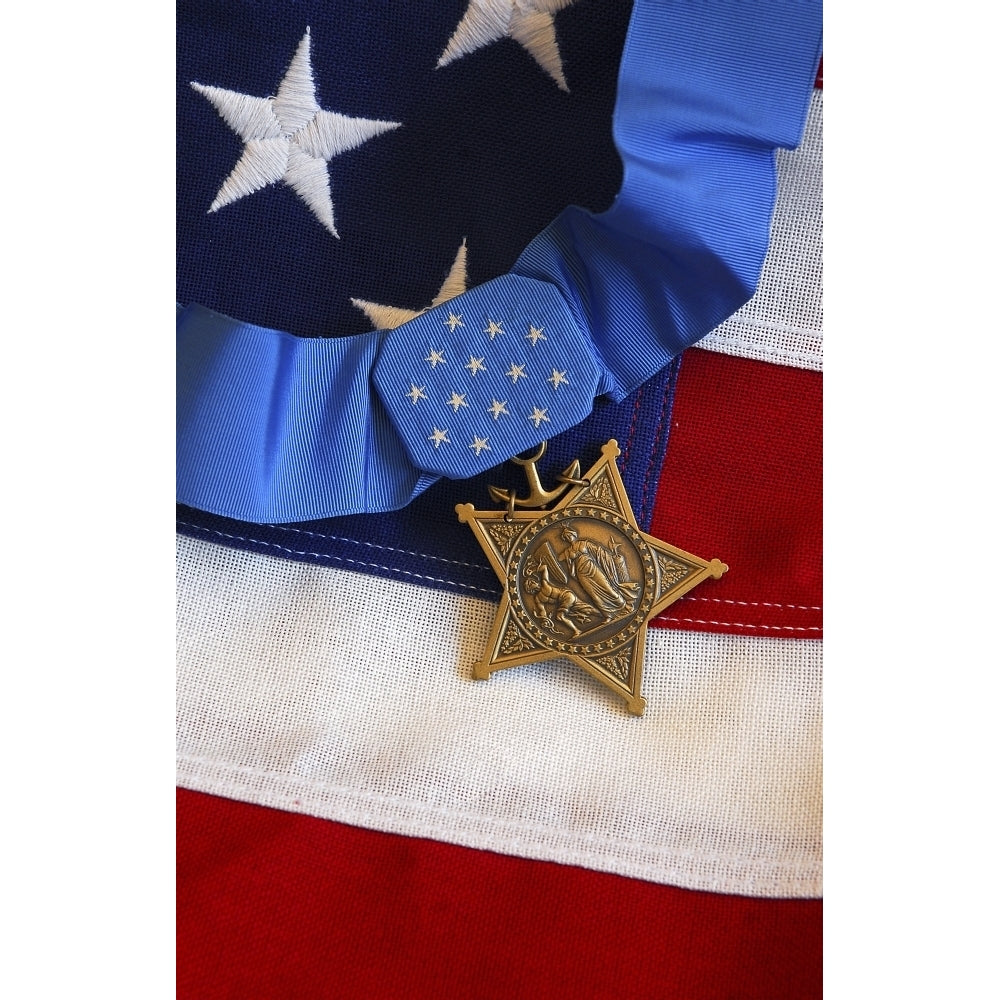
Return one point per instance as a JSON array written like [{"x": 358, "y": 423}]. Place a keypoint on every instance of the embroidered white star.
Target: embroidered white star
[
  {"x": 476, "y": 364},
  {"x": 535, "y": 334},
  {"x": 389, "y": 317},
  {"x": 558, "y": 379},
  {"x": 457, "y": 400},
  {"x": 529, "y": 22},
  {"x": 288, "y": 138},
  {"x": 538, "y": 416},
  {"x": 439, "y": 437},
  {"x": 516, "y": 372},
  {"x": 452, "y": 321},
  {"x": 479, "y": 444},
  {"x": 497, "y": 408},
  {"x": 493, "y": 329},
  {"x": 416, "y": 392},
  {"x": 435, "y": 358}
]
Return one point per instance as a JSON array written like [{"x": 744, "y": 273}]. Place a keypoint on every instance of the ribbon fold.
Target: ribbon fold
[{"x": 278, "y": 428}]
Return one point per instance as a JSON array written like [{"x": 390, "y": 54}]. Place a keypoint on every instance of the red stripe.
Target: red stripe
[
  {"x": 742, "y": 482},
  {"x": 279, "y": 905}
]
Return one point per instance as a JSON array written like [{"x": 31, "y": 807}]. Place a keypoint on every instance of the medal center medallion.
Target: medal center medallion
[{"x": 581, "y": 581}]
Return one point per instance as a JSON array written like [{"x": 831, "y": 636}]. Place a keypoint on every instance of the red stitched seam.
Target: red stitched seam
[{"x": 631, "y": 429}]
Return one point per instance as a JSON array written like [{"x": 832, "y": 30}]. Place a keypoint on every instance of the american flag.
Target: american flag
[{"x": 356, "y": 814}]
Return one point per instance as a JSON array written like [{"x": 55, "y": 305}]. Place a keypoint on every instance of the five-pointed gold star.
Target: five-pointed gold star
[
  {"x": 556, "y": 604},
  {"x": 493, "y": 329},
  {"x": 497, "y": 408},
  {"x": 479, "y": 444},
  {"x": 535, "y": 334},
  {"x": 558, "y": 379},
  {"x": 516, "y": 372},
  {"x": 439, "y": 437},
  {"x": 452, "y": 321},
  {"x": 457, "y": 400},
  {"x": 538, "y": 416},
  {"x": 416, "y": 392},
  {"x": 476, "y": 364},
  {"x": 435, "y": 358}
]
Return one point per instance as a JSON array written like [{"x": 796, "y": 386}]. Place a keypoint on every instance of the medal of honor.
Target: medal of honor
[{"x": 581, "y": 581}]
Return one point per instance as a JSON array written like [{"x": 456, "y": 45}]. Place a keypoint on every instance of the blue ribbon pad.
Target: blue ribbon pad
[{"x": 486, "y": 376}]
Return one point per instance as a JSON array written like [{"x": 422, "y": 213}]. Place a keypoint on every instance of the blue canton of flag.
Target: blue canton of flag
[
  {"x": 290, "y": 115},
  {"x": 340, "y": 173}
]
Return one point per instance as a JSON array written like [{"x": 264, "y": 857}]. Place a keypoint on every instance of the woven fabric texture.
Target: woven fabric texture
[
  {"x": 280, "y": 905},
  {"x": 783, "y": 322},
  {"x": 350, "y": 697}
]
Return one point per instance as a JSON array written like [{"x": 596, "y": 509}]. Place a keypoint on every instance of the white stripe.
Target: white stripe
[
  {"x": 350, "y": 697},
  {"x": 783, "y": 322}
]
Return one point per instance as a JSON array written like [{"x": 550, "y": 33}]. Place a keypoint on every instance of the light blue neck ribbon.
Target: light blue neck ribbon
[{"x": 274, "y": 427}]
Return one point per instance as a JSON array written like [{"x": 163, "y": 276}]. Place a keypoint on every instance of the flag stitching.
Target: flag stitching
[{"x": 341, "y": 559}]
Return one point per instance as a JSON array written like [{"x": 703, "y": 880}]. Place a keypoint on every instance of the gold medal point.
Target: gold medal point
[
  {"x": 581, "y": 580},
  {"x": 716, "y": 568},
  {"x": 635, "y": 706}
]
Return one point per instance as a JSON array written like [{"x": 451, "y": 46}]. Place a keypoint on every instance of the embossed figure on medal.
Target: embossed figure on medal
[{"x": 581, "y": 580}]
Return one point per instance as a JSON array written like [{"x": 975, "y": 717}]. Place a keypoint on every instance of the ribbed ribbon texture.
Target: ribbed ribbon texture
[{"x": 278, "y": 428}]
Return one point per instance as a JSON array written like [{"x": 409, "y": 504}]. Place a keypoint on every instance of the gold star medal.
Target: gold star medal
[{"x": 581, "y": 581}]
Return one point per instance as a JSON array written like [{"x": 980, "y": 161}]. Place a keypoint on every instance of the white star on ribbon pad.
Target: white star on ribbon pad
[{"x": 475, "y": 414}]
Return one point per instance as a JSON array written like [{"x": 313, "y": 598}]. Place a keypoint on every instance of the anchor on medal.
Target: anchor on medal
[
  {"x": 581, "y": 580},
  {"x": 537, "y": 497}
]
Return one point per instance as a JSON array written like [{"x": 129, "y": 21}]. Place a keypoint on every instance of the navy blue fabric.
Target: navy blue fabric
[
  {"x": 423, "y": 543},
  {"x": 707, "y": 92},
  {"x": 490, "y": 151}
]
